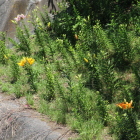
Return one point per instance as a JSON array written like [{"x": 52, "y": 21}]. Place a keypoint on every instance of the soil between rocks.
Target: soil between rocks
[{"x": 20, "y": 122}]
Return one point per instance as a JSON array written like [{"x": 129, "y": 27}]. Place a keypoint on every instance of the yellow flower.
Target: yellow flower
[
  {"x": 49, "y": 24},
  {"x": 30, "y": 60},
  {"x": 78, "y": 76},
  {"x": 25, "y": 61},
  {"x": 22, "y": 62},
  {"x": 86, "y": 60},
  {"x": 5, "y": 56},
  {"x": 125, "y": 105}
]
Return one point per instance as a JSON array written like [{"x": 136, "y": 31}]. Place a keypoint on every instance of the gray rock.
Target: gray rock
[
  {"x": 9, "y": 9},
  {"x": 20, "y": 123}
]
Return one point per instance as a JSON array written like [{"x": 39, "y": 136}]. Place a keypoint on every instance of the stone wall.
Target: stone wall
[
  {"x": 9, "y": 9},
  {"x": 4, "y": 12},
  {"x": 14, "y": 7}
]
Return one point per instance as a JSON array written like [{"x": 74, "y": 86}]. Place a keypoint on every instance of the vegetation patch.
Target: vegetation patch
[{"x": 81, "y": 70}]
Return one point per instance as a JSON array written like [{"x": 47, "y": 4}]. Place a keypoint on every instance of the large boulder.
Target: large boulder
[
  {"x": 9, "y": 9},
  {"x": 20, "y": 122}
]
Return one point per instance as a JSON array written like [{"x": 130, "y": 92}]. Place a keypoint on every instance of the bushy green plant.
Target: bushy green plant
[
  {"x": 50, "y": 84},
  {"x": 127, "y": 116},
  {"x": 3, "y": 53},
  {"x": 107, "y": 10},
  {"x": 14, "y": 69}
]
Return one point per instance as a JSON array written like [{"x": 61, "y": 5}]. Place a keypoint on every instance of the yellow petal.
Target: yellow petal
[
  {"x": 30, "y": 60},
  {"x": 20, "y": 64},
  {"x": 86, "y": 60}
]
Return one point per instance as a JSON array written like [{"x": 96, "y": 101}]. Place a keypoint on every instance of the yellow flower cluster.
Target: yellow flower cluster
[
  {"x": 125, "y": 105},
  {"x": 26, "y": 60}
]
